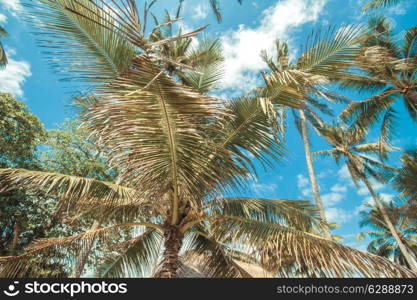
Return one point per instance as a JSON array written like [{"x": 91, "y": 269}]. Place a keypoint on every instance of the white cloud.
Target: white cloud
[
  {"x": 243, "y": 46},
  {"x": 343, "y": 173},
  {"x": 3, "y": 18},
  {"x": 338, "y": 188},
  {"x": 303, "y": 185},
  {"x": 302, "y": 181},
  {"x": 338, "y": 215},
  {"x": 14, "y": 75},
  {"x": 13, "y": 6},
  {"x": 331, "y": 199},
  {"x": 264, "y": 188},
  {"x": 385, "y": 197},
  {"x": 200, "y": 12},
  {"x": 363, "y": 190}
]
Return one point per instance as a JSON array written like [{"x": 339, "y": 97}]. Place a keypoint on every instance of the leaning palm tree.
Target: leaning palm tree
[
  {"x": 348, "y": 144},
  {"x": 405, "y": 182},
  {"x": 374, "y": 4},
  {"x": 301, "y": 85},
  {"x": 388, "y": 68},
  {"x": 383, "y": 243},
  {"x": 180, "y": 154},
  {"x": 3, "y": 57}
]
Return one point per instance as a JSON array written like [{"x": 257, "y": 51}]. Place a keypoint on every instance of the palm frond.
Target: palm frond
[
  {"x": 74, "y": 192},
  {"x": 374, "y": 4},
  {"x": 157, "y": 128},
  {"x": 213, "y": 259},
  {"x": 321, "y": 257},
  {"x": 13, "y": 266},
  {"x": 136, "y": 257},
  {"x": 299, "y": 214},
  {"x": 82, "y": 35},
  {"x": 329, "y": 54}
]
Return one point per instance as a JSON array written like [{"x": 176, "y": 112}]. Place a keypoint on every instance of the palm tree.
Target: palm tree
[
  {"x": 301, "y": 85},
  {"x": 180, "y": 153},
  {"x": 3, "y": 57},
  {"x": 207, "y": 227},
  {"x": 405, "y": 181},
  {"x": 374, "y": 4},
  {"x": 383, "y": 243},
  {"x": 388, "y": 66},
  {"x": 348, "y": 144}
]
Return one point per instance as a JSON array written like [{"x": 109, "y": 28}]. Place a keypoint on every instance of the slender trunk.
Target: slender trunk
[
  {"x": 16, "y": 234},
  {"x": 312, "y": 174},
  {"x": 171, "y": 262},
  {"x": 391, "y": 227},
  {"x": 83, "y": 256}
]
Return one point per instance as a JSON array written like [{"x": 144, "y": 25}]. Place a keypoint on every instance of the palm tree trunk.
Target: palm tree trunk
[
  {"x": 391, "y": 227},
  {"x": 83, "y": 256},
  {"x": 171, "y": 262},
  {"x": 16, "y": 234},
  {"x": 312, "y": 174}
]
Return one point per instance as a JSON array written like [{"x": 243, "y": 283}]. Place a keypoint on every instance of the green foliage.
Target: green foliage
[
  {"x": 382, "y": 242},
  {"x": 20, "y": 133},
  {"x": 374, "y": 4}
]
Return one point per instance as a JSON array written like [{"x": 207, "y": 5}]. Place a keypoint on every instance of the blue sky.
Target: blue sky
[{"x": 245, "y": 30}]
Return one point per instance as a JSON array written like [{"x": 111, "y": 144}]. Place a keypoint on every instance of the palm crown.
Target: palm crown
[
  {"x": 388, "y": 66},
  {"x": 179, "y": 154}
]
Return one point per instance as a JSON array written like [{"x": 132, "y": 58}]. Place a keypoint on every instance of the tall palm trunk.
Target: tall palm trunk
[
  {"x": 17, "y": 229},
  {"x": 171, "y": 261},
  {"x": 312, "y": 173},
  {"x": 391, "y": 227},
  {"x": 83, "y": 256}
]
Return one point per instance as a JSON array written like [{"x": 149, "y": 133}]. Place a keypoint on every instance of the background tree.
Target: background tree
[
  {"x": 383, "y": 243},
  {"x": 348, "y": 144},
  {"x": 68, "y": 150},
  {"x": 389, "y": 66},
  {"x": 301, "y": 85},
  {"x": 20, "y": 134}
]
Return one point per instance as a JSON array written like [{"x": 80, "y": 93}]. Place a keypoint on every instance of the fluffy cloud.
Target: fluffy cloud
[
  {"x": 13, "y": 6},
  {"x": 200, "y": 12},
  {"x": 338, "y": 188},
  {"x": 263, "y": 189},
  {"x": 14, "y": 75},
  {"x": 242, "y": 46},
  {"x": 303, "y": 185},
  {"x": 385, "y": 197},
  {"x": 3, "y": 18},
  {"x": 338, "y": 215},
  {"x": 363, "y": 190},
  {"x": 331, "y": 199}
]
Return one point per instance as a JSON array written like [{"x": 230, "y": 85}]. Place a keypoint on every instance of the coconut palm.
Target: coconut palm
[
  {"x": 300, "y": 85},
  {"x": 374, "y": 4},
  {"x": 348, "y": 145},
  {"x": 206, "y": 225},
  {"x": 180, "y": 154},
  {"x": 390, "y": 68},
  {"x": 383, "y": 243},
  {"x": 3, "y": 57},
  {"x": 201, "y": 57},
  {"x": 404, "y": 181}
]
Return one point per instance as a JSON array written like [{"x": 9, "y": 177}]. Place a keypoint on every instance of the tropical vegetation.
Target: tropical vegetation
[{"x": 148, "y": 179}]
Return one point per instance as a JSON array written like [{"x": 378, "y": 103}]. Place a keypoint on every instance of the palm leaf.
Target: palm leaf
[
  {"x": 322, "y": 257},
  {"x": 136, "y": 257}
]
